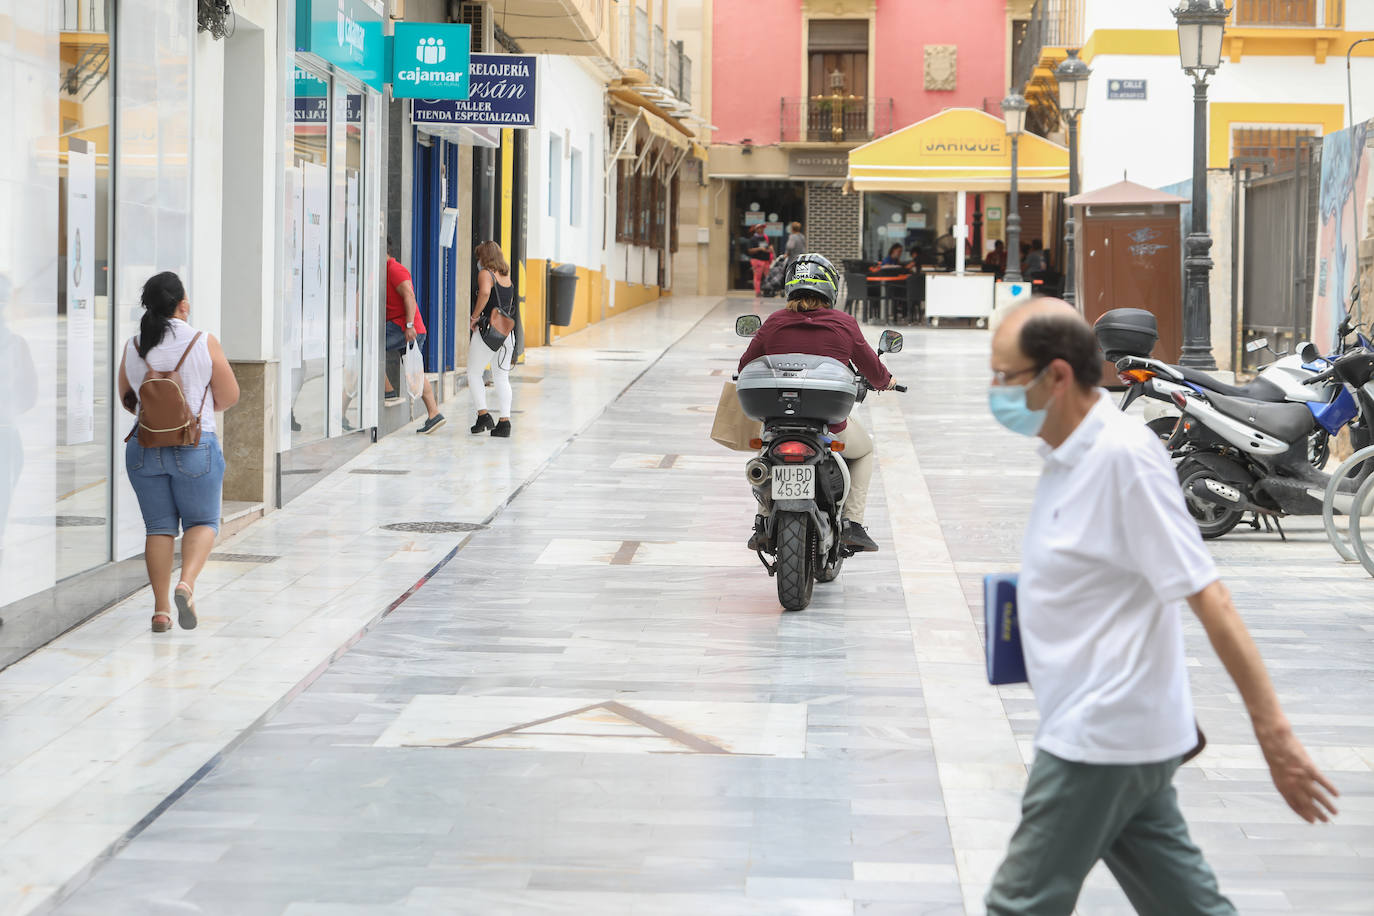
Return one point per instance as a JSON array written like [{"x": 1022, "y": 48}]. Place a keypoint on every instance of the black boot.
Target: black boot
[
  {"x": 857, "y": 539},
  {"x": 484, "y": 423},
  {"x": 501, "y": 430}
]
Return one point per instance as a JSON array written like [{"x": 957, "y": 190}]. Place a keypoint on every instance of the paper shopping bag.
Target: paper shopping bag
[{"x": 732, "y": 428}]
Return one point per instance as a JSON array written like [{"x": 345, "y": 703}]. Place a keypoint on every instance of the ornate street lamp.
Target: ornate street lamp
[
  {"x": 1014, "y": 110},
  {"x": 1201, "y": 27},
  {"x": 1072, "y": 75}
]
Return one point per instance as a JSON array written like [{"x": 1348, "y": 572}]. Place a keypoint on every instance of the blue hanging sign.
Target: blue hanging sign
[
  {"x": 347, "y": 33},
  {"x": 430, "y": 59},
  {"x": 501, "y": 93}
]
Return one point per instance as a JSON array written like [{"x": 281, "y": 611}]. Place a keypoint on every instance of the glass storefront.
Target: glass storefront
[
  {"x": 909, "y": 220},
  {"x": 55, "y": 317},
  {"x": 66, "y": 305},
  {"x": 324, "y": 319}
]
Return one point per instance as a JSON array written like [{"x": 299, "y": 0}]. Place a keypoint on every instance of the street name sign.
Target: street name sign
[{"x": 1127, "y": 89}]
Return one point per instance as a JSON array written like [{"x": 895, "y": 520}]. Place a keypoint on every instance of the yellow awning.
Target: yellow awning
[
  {"x": 959, "y": 149},
  {"x": 664, "y": 131}
]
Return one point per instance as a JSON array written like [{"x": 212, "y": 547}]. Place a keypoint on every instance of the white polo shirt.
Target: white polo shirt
[{"x": 1108, "y": 557}]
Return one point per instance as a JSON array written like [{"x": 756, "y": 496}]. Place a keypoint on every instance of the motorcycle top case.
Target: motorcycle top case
[
  {"x": 797, "y": 385},
  {"x": 1126, "y": 332}
]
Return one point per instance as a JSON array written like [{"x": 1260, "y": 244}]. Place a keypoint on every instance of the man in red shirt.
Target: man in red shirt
[
  {"x": 811, "y": 325},
  {"x": 404, "y": 326}
]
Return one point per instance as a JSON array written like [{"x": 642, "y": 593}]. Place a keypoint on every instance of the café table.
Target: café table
[{"x": 884, "y": 299}]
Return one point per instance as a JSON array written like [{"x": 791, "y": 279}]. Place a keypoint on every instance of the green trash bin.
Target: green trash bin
[{"x": 562, "y": 294}]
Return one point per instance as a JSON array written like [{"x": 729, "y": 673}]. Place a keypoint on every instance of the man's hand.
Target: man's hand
[
  {"x": 1296, "y": 777},
  {"x": 892, "y": 383},
  {"x": 411, "y": 336}
]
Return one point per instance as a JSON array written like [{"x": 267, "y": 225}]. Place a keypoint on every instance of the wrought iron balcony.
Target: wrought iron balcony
[
  {"x": 83, "y": 16},
  {"x": 830, "y": 119},
  {"x": 1052, "y": 24}
]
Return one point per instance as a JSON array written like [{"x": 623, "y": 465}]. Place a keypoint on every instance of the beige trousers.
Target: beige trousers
[{"x": 858, "y": 454}]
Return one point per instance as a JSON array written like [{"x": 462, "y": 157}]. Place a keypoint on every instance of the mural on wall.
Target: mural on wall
[{"x": 1347, "y": 163}]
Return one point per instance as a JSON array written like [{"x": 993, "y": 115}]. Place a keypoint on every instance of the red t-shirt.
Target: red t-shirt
[
  {"x": 396, "y": 274},
  {"x": 823, "y": 332}
]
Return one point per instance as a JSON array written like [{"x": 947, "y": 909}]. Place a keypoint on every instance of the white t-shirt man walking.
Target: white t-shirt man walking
[{"x": 1109, "y": 557}]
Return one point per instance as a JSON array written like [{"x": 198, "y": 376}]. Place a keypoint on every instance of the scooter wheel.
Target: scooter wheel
[{"x": 1212, "y": 520}]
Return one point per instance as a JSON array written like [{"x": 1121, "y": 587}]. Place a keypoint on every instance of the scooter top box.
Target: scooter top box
[
  {"x": 1126, "y": 332},
  {"x": 797, "y": 385}
]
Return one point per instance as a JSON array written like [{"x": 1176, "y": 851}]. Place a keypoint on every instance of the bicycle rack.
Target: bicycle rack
[{"x": 1329, "y": 508}]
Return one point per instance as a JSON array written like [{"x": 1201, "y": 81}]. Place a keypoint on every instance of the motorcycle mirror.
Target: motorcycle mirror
[
  {"x": 748, "y": 325},
  {"x": 1259, "y": 343},
  {"x": 890, "y": 342}
]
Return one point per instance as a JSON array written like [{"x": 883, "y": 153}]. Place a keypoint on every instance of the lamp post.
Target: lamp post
[
  {"x": 1072, "y": 75},
  {"x": 1201, "y": 27},
  {"x": 1014, "y": 110}
]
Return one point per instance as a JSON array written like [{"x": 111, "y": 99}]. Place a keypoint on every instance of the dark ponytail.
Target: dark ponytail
[{"x": 161, "y": 295}]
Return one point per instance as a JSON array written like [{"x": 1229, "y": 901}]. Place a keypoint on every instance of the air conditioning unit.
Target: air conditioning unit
[{"x": 478, "y": 15}]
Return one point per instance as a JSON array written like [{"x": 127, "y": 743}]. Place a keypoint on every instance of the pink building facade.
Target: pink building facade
[{"x": 796, "y": 84}]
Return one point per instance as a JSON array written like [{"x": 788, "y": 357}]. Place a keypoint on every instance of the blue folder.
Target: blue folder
[{"x": 1006, "y": 664}]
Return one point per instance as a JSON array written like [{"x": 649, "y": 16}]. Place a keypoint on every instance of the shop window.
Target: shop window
[
  {"x": 1276, "y": 142},
  {"x": 306, "y": 316}
]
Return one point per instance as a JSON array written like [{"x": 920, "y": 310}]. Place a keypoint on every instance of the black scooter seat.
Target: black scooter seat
[
  {"x": 1286, "y": 422},
  {"x": 1257, "y": 390}
]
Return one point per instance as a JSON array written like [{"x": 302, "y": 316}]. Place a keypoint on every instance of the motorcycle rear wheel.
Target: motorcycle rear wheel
[
  {"x": 1212, "y": 520},
  {"x": 796, "y": 575}
]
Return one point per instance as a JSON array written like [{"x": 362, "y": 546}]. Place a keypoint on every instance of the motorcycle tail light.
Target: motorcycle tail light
[
  {"x": 793, "y": 452},
  {"x": 1136, "y": 376},
  {"x": 1180, "y": 399}
]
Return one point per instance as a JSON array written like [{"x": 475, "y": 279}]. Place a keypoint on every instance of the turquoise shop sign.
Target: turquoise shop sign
[
  {"x": 430, "y": 60},
  {"x": 347, "y": 34}
]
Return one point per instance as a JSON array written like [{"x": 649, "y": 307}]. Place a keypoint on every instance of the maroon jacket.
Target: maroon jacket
[{"x": 824, "y": 332}]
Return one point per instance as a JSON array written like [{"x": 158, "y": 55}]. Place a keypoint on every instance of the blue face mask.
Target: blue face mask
[{"x": 1008, "y": 406}]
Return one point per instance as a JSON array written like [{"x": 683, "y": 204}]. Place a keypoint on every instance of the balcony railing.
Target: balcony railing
[
  {"x": 825, "y": 120},
  {"x": 679, "y": 72},
  {"x": 1291, "y": 13},
  {"x": 660, "y": 55},
  {"x": 83, "y": 16},
  {"x": 1053, "y": 24},
  {"x": 639, "y": 57}
]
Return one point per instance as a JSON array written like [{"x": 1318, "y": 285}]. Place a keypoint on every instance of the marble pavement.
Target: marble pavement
[{"x": 595, "y": 705}]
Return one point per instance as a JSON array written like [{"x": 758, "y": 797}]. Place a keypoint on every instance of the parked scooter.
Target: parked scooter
[
  {"x": 1127, "y": 335},
  {"x": 799, "y": 479},
  {"x": 1251, "y": 456}
]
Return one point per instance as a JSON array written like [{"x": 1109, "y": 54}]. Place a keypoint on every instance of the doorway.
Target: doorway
[{"x": 773, "y": 204}]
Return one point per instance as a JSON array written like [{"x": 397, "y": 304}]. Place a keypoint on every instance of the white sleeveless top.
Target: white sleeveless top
[{"x": 195, "y": 372}]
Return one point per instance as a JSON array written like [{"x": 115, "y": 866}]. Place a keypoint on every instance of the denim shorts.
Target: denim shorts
[
  {"x": 396, "y": 337},
  {"x": 178, "y": 486}
]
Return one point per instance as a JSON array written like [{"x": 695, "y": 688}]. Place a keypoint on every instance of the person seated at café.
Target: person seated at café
[
  {"x": 894, "y": 257},
  {"x": 996, "y": 260}
]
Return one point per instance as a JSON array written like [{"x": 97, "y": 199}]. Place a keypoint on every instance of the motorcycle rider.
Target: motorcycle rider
[{"x": 810, "y": 324}]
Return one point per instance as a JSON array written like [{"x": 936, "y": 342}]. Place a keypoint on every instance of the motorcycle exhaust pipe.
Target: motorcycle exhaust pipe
[
  {"x": 757, "y": 472},
  {"x": 1221, "y": 494}
]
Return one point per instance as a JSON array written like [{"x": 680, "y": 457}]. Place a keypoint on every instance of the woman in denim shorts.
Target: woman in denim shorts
[{"x": 178, "y": 487}]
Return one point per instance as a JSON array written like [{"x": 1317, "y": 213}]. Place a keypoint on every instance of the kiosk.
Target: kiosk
[{"x": 958, "y": 150}]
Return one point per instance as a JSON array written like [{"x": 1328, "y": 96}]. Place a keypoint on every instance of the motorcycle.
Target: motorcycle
[
  {"x": 799, "y": 479},
  {"x": 1122, "y": 333},
  {"x": 1249, "y": 456}
]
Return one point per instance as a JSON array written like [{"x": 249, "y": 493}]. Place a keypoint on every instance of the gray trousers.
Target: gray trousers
[{"x": 1076, "y": 813}]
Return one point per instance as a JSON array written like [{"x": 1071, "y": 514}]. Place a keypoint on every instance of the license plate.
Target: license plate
[{"x": 794, "y": 482}]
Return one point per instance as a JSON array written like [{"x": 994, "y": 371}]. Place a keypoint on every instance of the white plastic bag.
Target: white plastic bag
[{"x": 413, "y": 370}]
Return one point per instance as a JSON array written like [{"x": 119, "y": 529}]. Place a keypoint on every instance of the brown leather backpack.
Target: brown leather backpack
[{"x": 164, "y": 417}]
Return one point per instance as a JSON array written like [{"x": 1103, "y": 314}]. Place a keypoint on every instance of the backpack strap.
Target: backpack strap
[{"x": 187, "y": 352}]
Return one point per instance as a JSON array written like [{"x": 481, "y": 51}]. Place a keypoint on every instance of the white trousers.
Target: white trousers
[{"x": 479, "y": 357}]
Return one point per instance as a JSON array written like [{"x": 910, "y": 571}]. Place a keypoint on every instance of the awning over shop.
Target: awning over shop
[
  {"x": 959, "y": 149},
  {"x": 648, "y": 142}
]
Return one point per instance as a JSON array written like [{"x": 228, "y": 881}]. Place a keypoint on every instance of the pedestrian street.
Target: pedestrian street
[{"x": 593, "y": 703}]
